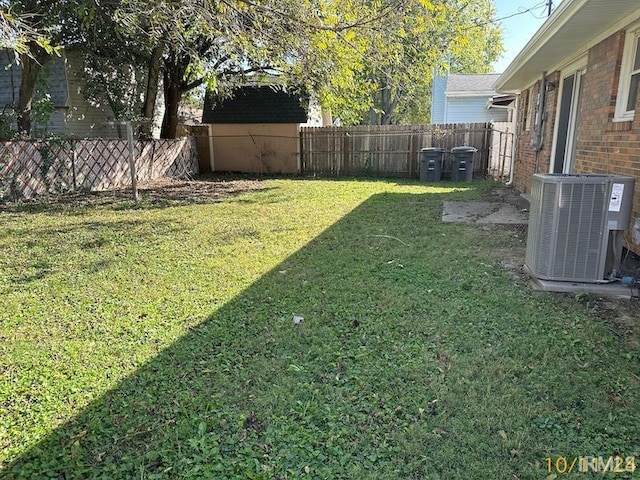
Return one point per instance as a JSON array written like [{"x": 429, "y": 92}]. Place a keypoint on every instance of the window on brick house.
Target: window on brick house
[{"x": 629, "y": 87}]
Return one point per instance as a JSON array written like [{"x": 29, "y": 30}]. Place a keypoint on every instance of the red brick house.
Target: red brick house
[{"x": 578, "y": 87}]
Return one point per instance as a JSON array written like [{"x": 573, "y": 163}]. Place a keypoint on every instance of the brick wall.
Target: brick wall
[
  {"x": 528, "y": 160},
  {"x": 603, "y": 146}
]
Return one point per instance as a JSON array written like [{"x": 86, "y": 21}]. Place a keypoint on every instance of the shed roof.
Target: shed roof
[{"x": 255, "y": 104}]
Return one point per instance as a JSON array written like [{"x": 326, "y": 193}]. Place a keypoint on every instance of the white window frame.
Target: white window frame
[
  {"x": 626, "y": 72},
  {"x": 578, "y": 68}
]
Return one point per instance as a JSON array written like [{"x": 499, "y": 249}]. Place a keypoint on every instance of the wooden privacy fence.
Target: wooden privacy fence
[
  {"x": 502, "y": 145},
  {"x": 387, "y": 150},
  {"x": 32, "y": 167}
]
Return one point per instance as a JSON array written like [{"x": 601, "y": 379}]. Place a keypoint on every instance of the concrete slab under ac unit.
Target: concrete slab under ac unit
[{"x": 614, "y": 289}]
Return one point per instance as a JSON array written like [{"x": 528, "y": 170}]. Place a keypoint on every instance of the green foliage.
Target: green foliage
[
  {"x": 50, "y": 148},
  {"x": 6, "y": 121},
  {"x": 391, "y": 62},
  {"x": 42, "y": 106},
  {"x": 18, "y": 31},
  {"x": 156, "y": 341},
  {"x": 115, "y": 74},
  {"x": 366, "y": 61}
]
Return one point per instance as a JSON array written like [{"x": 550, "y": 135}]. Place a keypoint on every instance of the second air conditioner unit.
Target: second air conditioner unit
[{"x": 575, "y": 226}]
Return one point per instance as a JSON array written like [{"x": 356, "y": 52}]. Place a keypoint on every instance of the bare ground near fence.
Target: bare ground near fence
[
  {"x": 387, "y": 150},
  {"x": 35, "y": 167},
  {"x": 161, "y": 192}
]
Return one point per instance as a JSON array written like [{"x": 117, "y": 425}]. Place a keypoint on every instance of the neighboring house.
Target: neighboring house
[
  {"x": 256, "y": 130},
  {"x": 578, "y": 82},
  {"x": 74, "y": 116},
  {"x": 467, "y": 98}
]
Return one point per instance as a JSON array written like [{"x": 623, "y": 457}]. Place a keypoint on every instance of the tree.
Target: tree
[
  {"x": 367, "y": 60},
  {"x": 37, "y": 30},
  {"x": 114, "y": 66},
  {"x": 214, "y": 42},
  {"x": 17, "y": 32},
  {"x": 400, "y": 54}
]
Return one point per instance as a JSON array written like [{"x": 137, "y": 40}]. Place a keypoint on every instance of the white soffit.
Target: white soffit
[{"x": 572, "y": 28}]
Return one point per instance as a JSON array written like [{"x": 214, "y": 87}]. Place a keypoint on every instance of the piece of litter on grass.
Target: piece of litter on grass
[{"x": 297, "y": 320}]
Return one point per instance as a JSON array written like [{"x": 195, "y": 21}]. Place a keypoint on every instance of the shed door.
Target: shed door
[{"x": 567, "y": 123}]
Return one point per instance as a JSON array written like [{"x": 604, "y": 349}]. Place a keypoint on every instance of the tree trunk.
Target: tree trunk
[
  {"x": 172, "y": 97},
  {"x": 390, "y": 100},
  {"x": 29, "y": 75},
  {"x": 175, "y": 68},
  {"x": 153, "y": 78}
]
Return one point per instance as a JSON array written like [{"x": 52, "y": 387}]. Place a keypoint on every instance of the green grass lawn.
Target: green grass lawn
[{"x": 158, "y": 341}]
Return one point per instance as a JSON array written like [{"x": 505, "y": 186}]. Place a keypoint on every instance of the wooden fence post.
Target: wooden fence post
[
  {"x": 345, "y": 153},
  {"x": 301, "y": 156}
]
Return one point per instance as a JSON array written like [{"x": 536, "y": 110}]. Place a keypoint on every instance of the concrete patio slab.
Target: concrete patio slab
[{"x": 484, "y": 213}]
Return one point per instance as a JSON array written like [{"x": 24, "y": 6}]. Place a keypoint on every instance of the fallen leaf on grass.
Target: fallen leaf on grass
[{"x": 615, "y": 397}]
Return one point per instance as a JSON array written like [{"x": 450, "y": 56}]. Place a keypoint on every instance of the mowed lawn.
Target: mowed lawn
[{"x": 158, "y": 341}]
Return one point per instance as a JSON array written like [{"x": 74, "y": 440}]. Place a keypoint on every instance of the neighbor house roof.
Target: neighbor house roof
[
  {"x": 467, "y": 85},
  {"x": 573, "y": 28},
  {"x": 255, "y": 104}
]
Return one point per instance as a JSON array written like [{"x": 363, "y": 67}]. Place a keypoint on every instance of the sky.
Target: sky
[{"x": 519, "y": 29}]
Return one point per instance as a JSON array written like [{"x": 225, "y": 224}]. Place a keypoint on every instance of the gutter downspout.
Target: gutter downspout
[
  {"x": 538, "y": 140},
  {"x": 514, "y": 148}
]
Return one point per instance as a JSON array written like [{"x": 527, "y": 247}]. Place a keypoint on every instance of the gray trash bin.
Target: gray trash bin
[
  {"x": 430, "y": 160},
  {"x": 462, "y": 163}
]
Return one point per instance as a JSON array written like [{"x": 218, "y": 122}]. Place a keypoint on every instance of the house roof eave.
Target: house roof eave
[
  {"x": 572, "y": 29},
  {"x": 469, "y": 93}
]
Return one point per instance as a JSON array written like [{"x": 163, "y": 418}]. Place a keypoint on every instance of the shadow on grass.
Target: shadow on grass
[
  {"x": 233, "y": 391},
  {"x": 165, "y": 193},
  {"x": 98, "y": 239},
  {"x": 155, "y": 194},
  {"x": 376, "y": 381}
]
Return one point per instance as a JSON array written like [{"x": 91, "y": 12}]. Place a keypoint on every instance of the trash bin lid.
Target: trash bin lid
[
  {"x": 432, "y": 149},
  {"x": 464, "y": 149}
]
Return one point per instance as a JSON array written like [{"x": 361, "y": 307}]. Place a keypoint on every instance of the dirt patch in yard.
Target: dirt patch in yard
[
  {"x": 620, "y": 315},
  {"x": 157, "y": 193},
  {"x": 204, "y": 189}
]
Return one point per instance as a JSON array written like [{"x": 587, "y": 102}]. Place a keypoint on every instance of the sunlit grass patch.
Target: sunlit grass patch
[{"x": 159, "y": 341}]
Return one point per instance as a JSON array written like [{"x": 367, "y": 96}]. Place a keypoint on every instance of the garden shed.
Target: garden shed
[{"x": 256, "y": 130}]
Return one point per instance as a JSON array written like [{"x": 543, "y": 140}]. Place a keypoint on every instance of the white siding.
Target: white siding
[
  {"x": 438, "y": 99},
  {"x": 73, "y": 116},
  {"x": 84, "y": 120},
  {"x": 56, "y": 87},
  {"x": 472, "y": 109}
]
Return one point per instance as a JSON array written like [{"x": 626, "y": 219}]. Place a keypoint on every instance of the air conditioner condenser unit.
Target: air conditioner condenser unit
[{"x": 575, "y": 226}]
